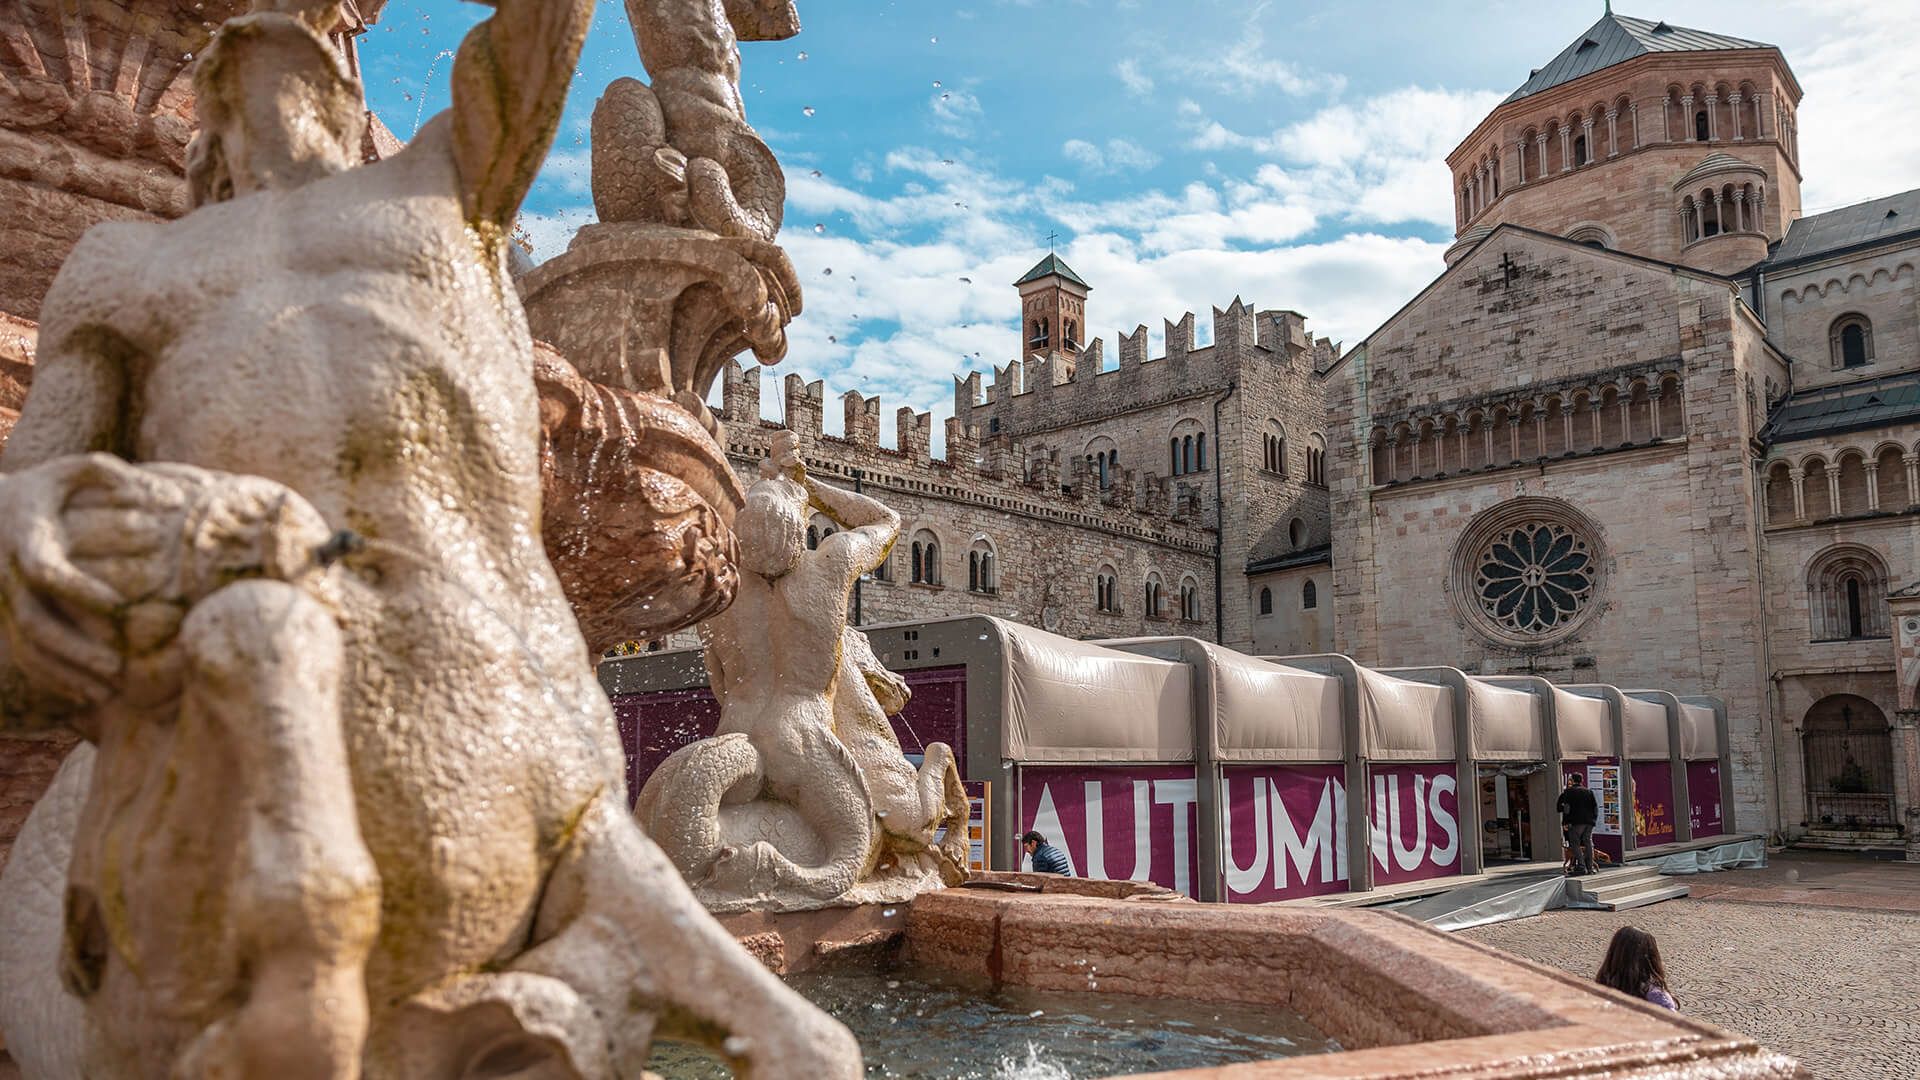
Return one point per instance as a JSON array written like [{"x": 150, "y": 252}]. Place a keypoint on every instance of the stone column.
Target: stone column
[
  {"x": 1873, "y": 484},
  {"x": 1566, "y": 418},
  {"x": 1833, "y": 490},
  {"x": 1760, "y": 210},
  {"x": 1763, "y": 108},
  {"x": 1613, "y": 133},
  {"x": 1513, "y": 437},
  {"x": 1653, "y": 410},
  {"x": 1486, "y": 437},
  {"x": 1595, "y": 406},
  {"x": 1541, "y": 141},
  {"x": 1740, "y": 211},
  {"x": 1626, "y": 414},
  {"x": 1586, "y": 132},
  {"x": 1566, "y": 148},
  {"x": 1633, "y": 121},
  {"x": 1713, "y": 118},
  {"x": 1912, "y": 462},
  {"x": 1799, "y": 476},
  {"x": 1414, "y": 462},
  {"x": 1539, "y": 430},
  {"x": 1393, "y": 459},
  {"x": 1733, "y": 100},
  {"x": 1719, "y": 215},
  {"x": 1686, "y": 223},
  {"x": 1686, "y": 117},
  {"x": 1666, "y": 119}
]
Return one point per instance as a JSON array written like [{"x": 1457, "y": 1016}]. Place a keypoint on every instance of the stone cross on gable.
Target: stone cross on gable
[{"x": 1510, "y": 269}]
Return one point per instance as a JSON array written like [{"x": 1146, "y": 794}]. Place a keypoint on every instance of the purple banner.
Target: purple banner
[
  {"x": 1285, "y": 832},
  {"x": 1416, "y": 822},
  {"x": 1653, "y": 816},
  {"x": 1139, "y": 823},
  {"x": 1703, "y": 797}
]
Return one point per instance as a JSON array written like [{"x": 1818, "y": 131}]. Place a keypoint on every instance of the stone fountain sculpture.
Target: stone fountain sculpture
[
  {"x": 802, "y": 799},
  {"x": 679, "y": 275},
  {"x": 269, "y": 539}
]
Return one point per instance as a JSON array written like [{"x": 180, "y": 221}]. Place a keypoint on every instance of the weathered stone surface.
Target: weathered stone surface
[
  {"x": 349, "y": 758},
  {"x": 802, "y": 798},
  {"x": 1403, "y": 999}
]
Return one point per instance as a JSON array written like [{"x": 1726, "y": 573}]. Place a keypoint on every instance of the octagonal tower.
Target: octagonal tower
[{"x": 1645, "y": 137}]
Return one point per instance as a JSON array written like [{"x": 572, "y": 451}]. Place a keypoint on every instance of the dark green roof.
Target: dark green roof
[
  {"x": 1054, "y": 266},
  {"x": 1616, "y": 39},
  {"x": 1818, "y": 236},
  {"x": 1829, "y": 410}
]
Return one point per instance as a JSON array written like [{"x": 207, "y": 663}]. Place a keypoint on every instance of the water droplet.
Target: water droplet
[
  {"x": 819, "y": 227},
  {"x": 808, "y": 111},
  {"x": 887, "y": 913},
  {"x": 933, "y": 41},
  {"x": 937, "y": 84}
]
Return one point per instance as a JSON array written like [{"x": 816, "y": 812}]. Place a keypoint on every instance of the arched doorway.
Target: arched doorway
[{"x": 1849, "y": 761}]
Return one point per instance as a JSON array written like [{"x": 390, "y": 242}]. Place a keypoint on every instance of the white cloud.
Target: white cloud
[
  {"x": 1249, "y": 67},
  {"x": 956, "y": 113},
  {"x": 1854, "y": 105},
  {"x": 1137, "y": 82},
  {"x": 1118, "y": 155}
]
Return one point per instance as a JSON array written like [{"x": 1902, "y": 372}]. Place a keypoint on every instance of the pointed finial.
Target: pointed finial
[
  {"x": 1609, "y": 7},
  {"x": 1054, "y": 236}
]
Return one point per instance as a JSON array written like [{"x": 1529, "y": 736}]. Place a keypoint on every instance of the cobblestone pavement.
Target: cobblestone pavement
[{"x": 1832, "y": 987}]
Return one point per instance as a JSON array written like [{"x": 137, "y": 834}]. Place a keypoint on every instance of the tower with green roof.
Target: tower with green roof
[{"x": 1053, "y": 310}]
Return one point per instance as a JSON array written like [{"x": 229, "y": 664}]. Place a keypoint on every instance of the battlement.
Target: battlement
[
  {"x": 1045, "y": 382},
  {"x": 1140, "y": 505}
]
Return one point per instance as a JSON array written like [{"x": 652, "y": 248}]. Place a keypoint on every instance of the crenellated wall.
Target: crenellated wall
[{"x": 1051, "y": 531}]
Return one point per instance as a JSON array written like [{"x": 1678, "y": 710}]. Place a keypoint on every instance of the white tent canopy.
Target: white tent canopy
[
  {"x": 1699, "y": 733},
  {"x": 1647, "y": 736},
  {"x": 1069, "y": 701},
  {"x": 1403, "y": 720},
  {"x": 1585, "y": 725},
  {"x": 1266, "y": 712},
  {"x": 1507, "y": 725}
]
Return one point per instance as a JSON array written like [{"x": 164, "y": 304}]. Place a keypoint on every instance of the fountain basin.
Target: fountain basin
[{"x": 1403, "y": 999}]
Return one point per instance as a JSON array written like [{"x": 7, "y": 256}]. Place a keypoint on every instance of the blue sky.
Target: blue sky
[{"x": 1185, "y": 152}]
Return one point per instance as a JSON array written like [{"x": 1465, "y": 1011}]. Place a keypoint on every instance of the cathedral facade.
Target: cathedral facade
[{"x": 1655, "y": 426}]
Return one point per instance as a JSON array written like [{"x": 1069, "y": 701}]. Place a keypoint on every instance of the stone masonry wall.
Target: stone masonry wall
[
  {"x": 1628, "y": 188},
  {"x": 1803, "y": 303},
  {"x": 1048, "y": 544},
  {"x": 1673, "y": 516}
]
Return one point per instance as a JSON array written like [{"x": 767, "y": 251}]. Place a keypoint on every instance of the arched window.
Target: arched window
[
  {"x": 1579, "y": 156},
  {"x": 1039, "y": 338},
  {"x": 1200, "y": 451},
  {"x": 1071, "y": 333},
  {"x": 1266, "y": 601},
  {"x": 1190, "y": 600},
  {"x": 1702, "y": 129},
  {"x": 1847, "y": 594},
  {"x": 1309, "y": 596},
  {"x": 1274, "y": 458},
  {"x": 1103, "y": 591},
  {"x": 1296, "y": 532},
  {"x": 1152, "y": 596},
  {"x": 981, "y": 575},
  {"x": 926, "y": 558},
  {"x": 1851, "y": 339},
  {"x": 1103, "y": 462},
  {"x": 1316, "y": 459},
  {"x": 1186, "y": 454},
  {"x": 1173, "y": 456}
]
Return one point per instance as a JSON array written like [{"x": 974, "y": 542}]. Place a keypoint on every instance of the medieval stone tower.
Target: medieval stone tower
[
  {"x": 1667, "y": 142},
  {"x": 1053, "y": 310}
]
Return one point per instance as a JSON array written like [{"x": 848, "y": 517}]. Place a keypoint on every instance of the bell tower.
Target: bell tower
[{"x": 1053, "y": 309}]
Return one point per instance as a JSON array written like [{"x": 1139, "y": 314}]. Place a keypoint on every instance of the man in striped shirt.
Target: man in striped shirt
[{"x": 1047, "y": 859}]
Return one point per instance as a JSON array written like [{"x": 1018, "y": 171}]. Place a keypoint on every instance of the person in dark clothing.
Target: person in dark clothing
[
  {"x": 1579, "y": 811},
  {"x": 1047, "y": 859},
  {"x": 1633, "y": 967}
]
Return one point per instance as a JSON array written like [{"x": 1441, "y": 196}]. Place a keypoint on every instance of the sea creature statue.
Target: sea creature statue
[
  {"x": 680, "y": 152},
  {"x": 802, "y": 799},
  {"x": 353, "y": 801}
]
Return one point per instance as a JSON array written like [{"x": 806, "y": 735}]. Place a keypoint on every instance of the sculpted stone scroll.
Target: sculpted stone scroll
[
  {"x": 803, "y": 798},
  {"x": 270, "y": 540}
]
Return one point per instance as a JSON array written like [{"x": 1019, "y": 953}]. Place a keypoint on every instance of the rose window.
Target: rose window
[{"x": 1535, "y": 578}]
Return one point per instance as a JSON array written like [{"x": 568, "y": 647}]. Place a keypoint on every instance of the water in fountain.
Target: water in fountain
[{"x": 917, "y": 1022}]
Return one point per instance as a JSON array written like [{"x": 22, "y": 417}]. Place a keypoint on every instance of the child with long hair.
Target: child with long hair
[{"x": 1633, "y": 967}]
